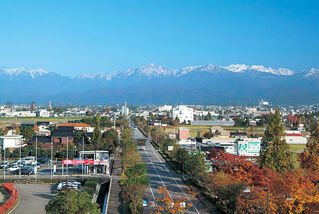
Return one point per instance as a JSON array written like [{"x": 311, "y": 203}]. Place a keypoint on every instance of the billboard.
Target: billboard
[
  {"x": 248, "y": 148},
  {"x": 84, "y": 162}
]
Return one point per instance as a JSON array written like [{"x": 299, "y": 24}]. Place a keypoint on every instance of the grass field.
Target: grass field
[
  {"x": 297, "y": 147},
  {"x": 9, "y": 121}
]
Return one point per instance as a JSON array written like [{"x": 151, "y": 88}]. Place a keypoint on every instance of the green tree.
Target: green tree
[
  {"x": 195, "y": 164},
  {"x": 72, "y": 202},
  {"x": 276, "y": 154},
  {"x": 181, "y": 155},
  {"x": 27, "y": 132}
]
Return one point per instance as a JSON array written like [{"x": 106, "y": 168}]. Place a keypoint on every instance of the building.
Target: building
[
  {"x": 183, "y": 113},
  {"x": 219, "y": 131},
  {"x": 295, "y": 137},
  {"x": 63, "y": 135},
  {"x": 125, "y": 110},
  {"x": 183, "y": 133},
  {"x": 97, "y": 161},
  {"x": 43, "y": 113},
  {"x": 165, "y": 108},
  {"x": 78, "y": 126},
  {"x": 11, "y": 142}
]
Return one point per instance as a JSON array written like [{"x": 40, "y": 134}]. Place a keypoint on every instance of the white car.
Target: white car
[
  {"x": 13, "y": 168},
  {"x": 4, "y": 164}
]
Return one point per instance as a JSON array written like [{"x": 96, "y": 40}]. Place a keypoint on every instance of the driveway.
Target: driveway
[{"x": 33, "y": 198}]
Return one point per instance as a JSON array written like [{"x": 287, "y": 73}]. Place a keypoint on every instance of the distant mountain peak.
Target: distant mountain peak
[
  {"x": 23, "y": 71},
  {"x": 279, "y": 71},
  {"x": 312, "y": 73}
]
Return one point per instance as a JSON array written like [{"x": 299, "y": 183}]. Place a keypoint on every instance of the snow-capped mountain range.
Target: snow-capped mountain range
[
  {"x": 152, "y": 70},
  {"x": 157, "y": 84}
]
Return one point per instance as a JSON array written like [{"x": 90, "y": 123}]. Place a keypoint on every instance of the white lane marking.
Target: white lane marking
[
  {"x": 159, "y": 176},
  {"x": 152, "y": 148}
]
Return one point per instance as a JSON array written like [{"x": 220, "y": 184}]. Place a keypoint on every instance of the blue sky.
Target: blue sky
[{"x": 72, "y": 37}]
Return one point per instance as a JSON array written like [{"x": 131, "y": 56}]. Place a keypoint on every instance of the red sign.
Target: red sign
[{"x": 84, "y": 162}]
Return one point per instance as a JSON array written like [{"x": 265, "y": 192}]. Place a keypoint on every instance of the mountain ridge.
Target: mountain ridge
[{"x": 157, "y": 84}]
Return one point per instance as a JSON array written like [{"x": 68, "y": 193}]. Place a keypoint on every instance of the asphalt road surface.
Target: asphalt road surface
[
  {"x": 33, "y": 198},
  {"x": 161, "y": 174}
]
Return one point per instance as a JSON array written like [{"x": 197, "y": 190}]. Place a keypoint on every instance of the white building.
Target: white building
[
  {"x": 183, "y": 113},
  {"x": 125, "y": 110},
  {"x": 43, "y": 113},
  {"x": 165, "y": 108},
  {"x": 11, "y": 141},
  {"x": 295, "y": 137},
  {"x": 21, "y": 114}
]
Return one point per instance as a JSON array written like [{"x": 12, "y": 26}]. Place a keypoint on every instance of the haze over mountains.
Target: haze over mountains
[{"x": 156, "y": 84}]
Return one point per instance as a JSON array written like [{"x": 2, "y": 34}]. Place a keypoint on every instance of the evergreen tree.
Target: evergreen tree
[{"x": 276, "y": 154}]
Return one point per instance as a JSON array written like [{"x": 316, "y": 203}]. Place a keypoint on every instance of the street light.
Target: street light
[{"x": 247, "y": 190}]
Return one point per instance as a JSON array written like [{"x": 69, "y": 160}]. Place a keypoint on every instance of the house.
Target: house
[
  {"x": 219, "y": 131},
  {"x": 63, "y": 135},
  {"x": 78, "y": 126},
  {"x": 238, "y": 134},
  {"x": 295, "y": 137}
]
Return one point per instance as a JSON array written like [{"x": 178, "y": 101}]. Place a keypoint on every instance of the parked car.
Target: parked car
[
  {"x": 4, "y": 164},
  {"x": 13, "y": 168},
  {"x": 28, "y": 160},
  {"x": 27, "y": 170},
  {"x": 19, "y": 163},
  {"x": 44, "y": 160}
]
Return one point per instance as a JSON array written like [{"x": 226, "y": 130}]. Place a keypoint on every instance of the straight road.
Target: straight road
[{"x": 161, "y": 174}]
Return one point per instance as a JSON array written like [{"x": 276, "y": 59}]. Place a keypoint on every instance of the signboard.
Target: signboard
[
  {"x": 84, "y": 162},
  {"x": 247, "y": 148},
  {"x": 170, "y": 148}
]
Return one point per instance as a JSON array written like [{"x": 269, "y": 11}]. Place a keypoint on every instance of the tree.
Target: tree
[
  {"x": 134, "y": 193},
  {"x": 309, "y": 159},
  {"x": 27, "y": 132},
  {"x": 72, "y": 202},
  {"x": 195, "y": 164},
  {"x": 276, "y": 154},
  {"x": 166, "y": 204},
  {"x": 181, "y": 155},
  {"x": 238, "y": 122}
]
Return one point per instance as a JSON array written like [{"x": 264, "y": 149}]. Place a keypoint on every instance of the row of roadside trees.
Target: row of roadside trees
[
  {"x": 133, "y": 178},
  {"x": 240, "y": 185}
]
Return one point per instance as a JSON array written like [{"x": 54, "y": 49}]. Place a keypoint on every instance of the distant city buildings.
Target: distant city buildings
[{"x": 125, "y": 110}]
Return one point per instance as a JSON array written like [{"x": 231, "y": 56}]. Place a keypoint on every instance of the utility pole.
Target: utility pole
[
  {"x": 51, "y": 158},
  {"x": 267, "y": 195},
  {"x": 4, "y": 160},
  {"x": 20, "y": 162},
  {"x": 36, "y": 158},
  {"x": 82, "y": 156},
  {"x": 67, "y": 154}
]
